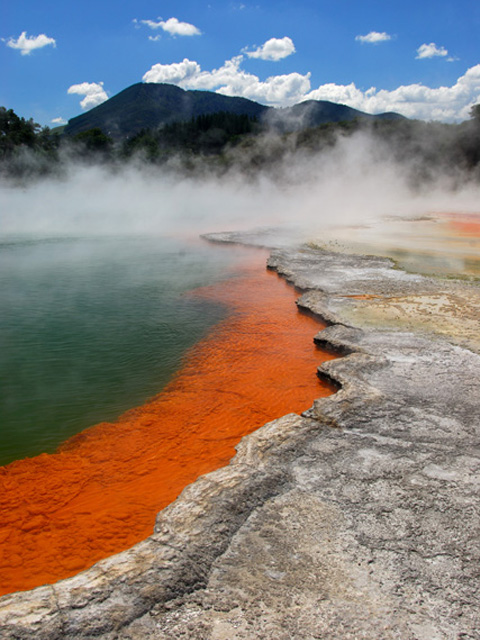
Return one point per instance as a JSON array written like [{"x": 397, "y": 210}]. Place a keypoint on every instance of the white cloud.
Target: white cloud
[
  {"x": 176, "y": 73},
  {"x": 448, "y": 104},
  {"x": 231, "y": 80},
  {"x": 58, "y": 121},
  {"x": 174, "y": 27},
  {"x": 430, "y": 51},
  {"x": 273, "y": 49},
  {"x": 94, "y": 93},
  {"x": 27, "y": 44},
  {"x": 374, "y": 37}
]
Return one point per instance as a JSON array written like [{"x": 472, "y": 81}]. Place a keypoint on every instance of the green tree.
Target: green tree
[
  {"x": 26, "y": 149},
  {"x": 475, "y": 113},
  {"x": 94, "y": 140},
  {"x": 16, "y": 132}
]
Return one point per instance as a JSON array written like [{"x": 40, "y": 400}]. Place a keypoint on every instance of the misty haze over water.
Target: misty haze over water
[{"x": 94, "y": 266}]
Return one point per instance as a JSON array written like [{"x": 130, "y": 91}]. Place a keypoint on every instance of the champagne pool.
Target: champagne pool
[
  {"x": 98, "y": 326},
  {"x": 91, "y": 327}
]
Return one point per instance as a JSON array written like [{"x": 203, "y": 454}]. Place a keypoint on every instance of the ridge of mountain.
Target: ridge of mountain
[
  {"x": 150, "y": 105},
  {"x": 312, "y": 113}
]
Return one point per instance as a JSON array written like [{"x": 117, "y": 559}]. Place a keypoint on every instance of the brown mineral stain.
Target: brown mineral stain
[{"x": 99, "y": 494}]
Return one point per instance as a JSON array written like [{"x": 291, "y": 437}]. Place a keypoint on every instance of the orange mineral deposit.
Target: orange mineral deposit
[
  {"x": 99, "y": 494},
  {"x": 465, "y": 224}
]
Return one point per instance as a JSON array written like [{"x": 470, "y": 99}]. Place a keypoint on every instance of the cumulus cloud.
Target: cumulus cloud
[
  {"x": 430, "y": 51},
  {"x": 26, "y": 44},
  {"x": 273, "y": 49},
  {"x": 279, "y": 90},
  {"x": 94, "y": 93},
  {"x": 448, "y": 104},
  {"x": 231, "y": 80},
  {"x": 175, "y": 73},
  {"x": 58, "y": 121},
  {"x": 174, "y": 27},
  {"x": 374, "y": 37}
]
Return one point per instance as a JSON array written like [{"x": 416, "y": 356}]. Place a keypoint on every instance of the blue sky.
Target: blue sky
[{"x": 418, "y": 57}]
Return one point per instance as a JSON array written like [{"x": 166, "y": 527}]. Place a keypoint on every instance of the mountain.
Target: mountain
[
  {"x": 312, "y": 113},
  {"x": 149, "y": 106}
]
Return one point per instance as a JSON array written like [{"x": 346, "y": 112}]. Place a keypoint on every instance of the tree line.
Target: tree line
[
  {"x": 222, "y": 141},
  {"x": 26, "y": 147},
  {"x": 205, "y": 134}
]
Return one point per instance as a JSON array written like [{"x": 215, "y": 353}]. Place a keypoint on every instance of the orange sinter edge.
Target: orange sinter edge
[{"x": 99, "y": 494}]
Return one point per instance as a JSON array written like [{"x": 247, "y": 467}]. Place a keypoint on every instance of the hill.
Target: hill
[
  {"x": 313, "y": 113},
  {"x": 149, "y": 106}
]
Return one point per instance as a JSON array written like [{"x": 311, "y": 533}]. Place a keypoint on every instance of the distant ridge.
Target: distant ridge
[
  {"x": 312, "y": 113},
  {"x": 149, "y": 106}
]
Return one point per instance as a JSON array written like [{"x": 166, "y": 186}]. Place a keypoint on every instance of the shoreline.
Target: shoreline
[
  {"x": 357, "y": 519},
  {"x": 100, "y": 493}
]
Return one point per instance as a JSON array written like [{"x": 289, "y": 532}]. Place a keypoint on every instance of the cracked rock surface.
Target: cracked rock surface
[{"x": 358, "y": 520}]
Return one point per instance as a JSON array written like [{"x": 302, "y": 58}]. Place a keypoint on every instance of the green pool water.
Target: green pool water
[{"x": 90, "y": 327}]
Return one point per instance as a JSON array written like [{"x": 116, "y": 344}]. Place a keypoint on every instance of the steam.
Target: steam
[{"x": 349, "y": 183}]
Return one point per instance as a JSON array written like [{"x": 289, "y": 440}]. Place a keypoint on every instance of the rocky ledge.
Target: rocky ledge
[{"x": 358, "y": 520}]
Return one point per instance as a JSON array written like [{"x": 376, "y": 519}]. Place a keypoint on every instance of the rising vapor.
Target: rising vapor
[{"x": 348, "y": 182}]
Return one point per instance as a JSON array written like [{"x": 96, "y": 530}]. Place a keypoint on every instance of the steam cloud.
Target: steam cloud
[{"x": 353, "y": 182}]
